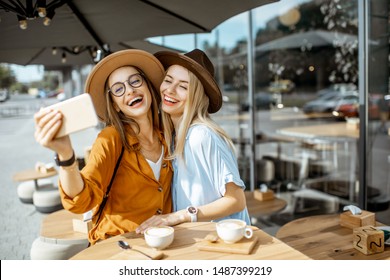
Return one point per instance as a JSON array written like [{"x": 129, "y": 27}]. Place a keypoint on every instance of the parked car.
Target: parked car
[
  {"x": 4, "y": 95},
  {"x": 347, "y": 108},
  {"x": 337, "y": 89},
  {"x": 326, "y": 103},
  {"x": 350, "y": 108},
  {"x": 262, "y": 101},
  {"x": 328, "y": 98}
]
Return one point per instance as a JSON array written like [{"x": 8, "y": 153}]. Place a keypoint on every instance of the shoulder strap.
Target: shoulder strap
[{"x": 105, "y": 197}]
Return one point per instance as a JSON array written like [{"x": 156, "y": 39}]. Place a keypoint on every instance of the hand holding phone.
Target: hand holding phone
[{"x": 78, "y": 114}]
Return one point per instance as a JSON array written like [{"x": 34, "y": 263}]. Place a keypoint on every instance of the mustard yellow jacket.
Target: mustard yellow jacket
[{"x": 135, "y": 194}]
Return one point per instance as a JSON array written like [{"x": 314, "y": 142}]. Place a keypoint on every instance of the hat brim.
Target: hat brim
[
  {"x": 210, "y": 85},
  {"x": 96, "y": 80}
]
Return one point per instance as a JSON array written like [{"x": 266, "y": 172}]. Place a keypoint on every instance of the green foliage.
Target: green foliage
[{"x": 7, "y": 77}]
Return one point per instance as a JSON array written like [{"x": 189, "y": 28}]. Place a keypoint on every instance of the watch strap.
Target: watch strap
[{"x": 67, "y": 162}]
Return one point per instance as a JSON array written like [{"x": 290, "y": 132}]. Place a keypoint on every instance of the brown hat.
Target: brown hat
[
  {"x": 198, "y": 63},
  {"x": 96, "y": 80}
]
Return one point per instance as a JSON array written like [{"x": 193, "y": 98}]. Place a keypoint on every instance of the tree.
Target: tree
[
  {"x": 7, "y": 77},
  {"x": 341, "y": 16}
]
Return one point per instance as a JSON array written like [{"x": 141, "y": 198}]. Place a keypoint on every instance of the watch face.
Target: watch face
[{"x": 192, "y": 210}]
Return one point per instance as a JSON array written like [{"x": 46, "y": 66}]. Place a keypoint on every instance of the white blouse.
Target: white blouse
[{"x": 156, "y": 166}]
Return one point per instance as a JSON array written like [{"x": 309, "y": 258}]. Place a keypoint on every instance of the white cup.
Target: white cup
[
  {"x": 233, "y": 230},
  {"x": 159, "y": 237}
]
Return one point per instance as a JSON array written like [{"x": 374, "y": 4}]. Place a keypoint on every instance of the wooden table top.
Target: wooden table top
[
  {"x": 263, "y": 208},
  {"x": 32, "y": 174},
  {"x": 57, "y": 227},
  {"x": 322, "y": 238},
  {"x": 185, "y": 246}
]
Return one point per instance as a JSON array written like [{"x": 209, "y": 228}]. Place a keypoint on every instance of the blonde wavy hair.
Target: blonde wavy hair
[
  {"x": 195, "y": 112},
  {"x": 119, "y": 120}
]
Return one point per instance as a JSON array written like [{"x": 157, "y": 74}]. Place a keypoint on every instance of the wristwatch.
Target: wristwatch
[
  {"x": 193, "y": 212},
  {"x": 68, "y": 162}
]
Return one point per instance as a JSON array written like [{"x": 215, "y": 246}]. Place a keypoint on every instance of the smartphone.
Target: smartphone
[{"x": 78, "y": 114}]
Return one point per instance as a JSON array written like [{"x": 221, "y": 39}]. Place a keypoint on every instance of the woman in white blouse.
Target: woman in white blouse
[{"x": 206, "y": 184}]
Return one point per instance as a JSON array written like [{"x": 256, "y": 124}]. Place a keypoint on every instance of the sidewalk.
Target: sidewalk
[{"x": 20, "y": 223}]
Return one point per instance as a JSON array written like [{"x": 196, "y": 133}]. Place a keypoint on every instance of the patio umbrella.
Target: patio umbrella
[
  {"x": 104, "y": 23},
  {"x": 70, "y": 56}
]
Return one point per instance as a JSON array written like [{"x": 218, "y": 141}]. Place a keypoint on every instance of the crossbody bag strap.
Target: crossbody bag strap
[{"x": 105, "y": 197}]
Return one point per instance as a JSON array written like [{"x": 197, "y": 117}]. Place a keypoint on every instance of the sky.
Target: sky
[
  {"x": 25, "y": 74},
  {"x": 229, "y": 33}
]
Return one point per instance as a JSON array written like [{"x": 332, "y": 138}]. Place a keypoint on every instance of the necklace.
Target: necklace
[{"x": 151, "y": 151}]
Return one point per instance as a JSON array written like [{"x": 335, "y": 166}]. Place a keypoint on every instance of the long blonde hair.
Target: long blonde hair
[
  {"x": 195, "y": 112},
  {"x": 119, "y": 120}
]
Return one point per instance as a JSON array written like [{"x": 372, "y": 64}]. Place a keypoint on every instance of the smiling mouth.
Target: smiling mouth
[
  {"x": 169, "y": 99},
  {"x": 135, "y": 101}
]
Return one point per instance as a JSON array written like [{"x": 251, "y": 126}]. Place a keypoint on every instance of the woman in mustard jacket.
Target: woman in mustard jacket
[{"x": 123, "y": 89}]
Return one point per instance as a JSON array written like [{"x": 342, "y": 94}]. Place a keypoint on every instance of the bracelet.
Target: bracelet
[{"x": 68, "y": 162}]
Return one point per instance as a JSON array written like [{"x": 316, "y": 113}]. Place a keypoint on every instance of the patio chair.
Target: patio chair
[
  {"x": 47, "y": 199},
  {"x": 41, "y": 250},
  {"x": 26, "y": 189}
]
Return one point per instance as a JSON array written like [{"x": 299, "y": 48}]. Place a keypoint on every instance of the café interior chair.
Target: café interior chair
[
  {"x": 306, "y": 199},
  {"x": 311, "y": 200},
  {"x": 265, "y": 171}
]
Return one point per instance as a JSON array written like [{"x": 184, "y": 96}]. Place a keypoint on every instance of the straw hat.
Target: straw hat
[
  {"x": 198, "y": 63},
  {"x": 95, "y": 84}
]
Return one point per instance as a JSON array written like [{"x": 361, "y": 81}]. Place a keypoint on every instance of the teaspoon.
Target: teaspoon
[{"x": 126, "y": 246}]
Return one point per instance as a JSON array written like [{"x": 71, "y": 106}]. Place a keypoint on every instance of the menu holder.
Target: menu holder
[{"x": 211, "y": 243}]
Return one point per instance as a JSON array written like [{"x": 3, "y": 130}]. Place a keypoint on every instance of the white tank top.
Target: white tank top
[{"x": 156, "y": 166}]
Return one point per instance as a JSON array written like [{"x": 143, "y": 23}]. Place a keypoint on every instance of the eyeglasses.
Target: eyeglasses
[{"x": 119, "y": 88}]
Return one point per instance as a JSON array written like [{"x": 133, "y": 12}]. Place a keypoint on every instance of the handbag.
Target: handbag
[{"x": 105, "y": 197}]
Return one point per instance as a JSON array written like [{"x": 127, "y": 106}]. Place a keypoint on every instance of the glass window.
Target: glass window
[{"x": 306, "y": 102}]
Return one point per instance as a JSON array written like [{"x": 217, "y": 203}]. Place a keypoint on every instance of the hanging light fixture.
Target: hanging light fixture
[
  {"x": 66, "y": 52},
  {"x": 49, "y": 16},
  {"x": 41, "y": 8},
  {"x": 32, "y": 9},
  {"x": 22, "y": 22},
  {"x": 63, "y": 58}
]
